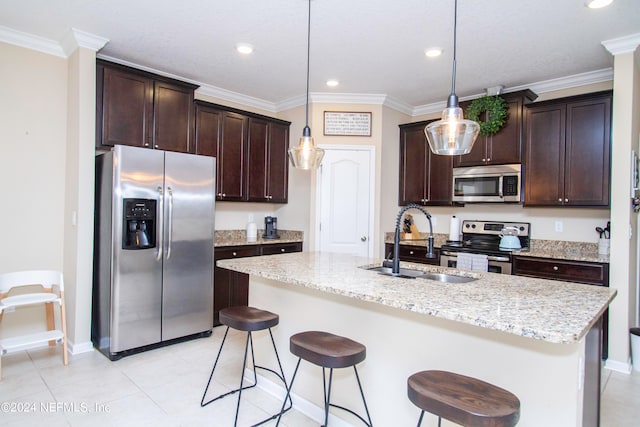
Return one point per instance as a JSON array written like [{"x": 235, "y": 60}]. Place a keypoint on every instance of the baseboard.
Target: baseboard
[
  {"x": 83, "y": 347},
  {"x": 614, "y": 365},
  {"x": 301, "y": 405}
]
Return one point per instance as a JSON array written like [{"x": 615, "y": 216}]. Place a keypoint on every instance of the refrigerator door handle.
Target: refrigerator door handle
[
  {"x": 170, "y": 222},
  {"x": 159, "y": 223}
]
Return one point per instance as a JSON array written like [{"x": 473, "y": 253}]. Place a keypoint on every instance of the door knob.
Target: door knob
[{"x": 363, "y": 238}]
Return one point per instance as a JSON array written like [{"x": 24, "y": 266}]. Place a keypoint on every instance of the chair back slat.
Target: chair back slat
[{"x": 45, "y": 278}]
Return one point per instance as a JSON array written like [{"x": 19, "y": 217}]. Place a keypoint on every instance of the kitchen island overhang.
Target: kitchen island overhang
[{"x": 530, "y": 336}]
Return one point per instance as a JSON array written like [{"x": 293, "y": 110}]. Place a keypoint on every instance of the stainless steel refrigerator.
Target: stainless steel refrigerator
[{"x": 153, "y": 251}]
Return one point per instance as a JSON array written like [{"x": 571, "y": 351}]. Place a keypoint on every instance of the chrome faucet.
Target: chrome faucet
[{"x": 396, "y": 240}]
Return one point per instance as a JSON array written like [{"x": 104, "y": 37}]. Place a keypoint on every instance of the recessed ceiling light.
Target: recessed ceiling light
[
  {"x": 597, "y": 4},
  {"x": 432, "y": 52},
  {"x": 332, "y": 82},
  {"x": 244, "y": 48}
]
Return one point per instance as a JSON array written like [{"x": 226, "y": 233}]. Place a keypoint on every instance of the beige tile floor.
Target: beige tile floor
[{"x": 163, "y": 387}]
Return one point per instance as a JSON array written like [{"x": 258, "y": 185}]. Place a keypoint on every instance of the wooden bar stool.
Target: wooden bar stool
[
  {"x": 464, "y": 400},
  {"x": 329, "y": 351},
  {"x": 248, "y": 319}
]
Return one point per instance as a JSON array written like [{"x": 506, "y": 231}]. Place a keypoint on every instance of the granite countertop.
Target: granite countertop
[
  {"x": 556, "y": 249},
  {"x": 239, "y": 238},
  {"x": 549, "y": 310}
]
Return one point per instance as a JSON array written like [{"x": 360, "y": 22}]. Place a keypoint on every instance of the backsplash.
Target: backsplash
[{"x": 239, "y": 237}]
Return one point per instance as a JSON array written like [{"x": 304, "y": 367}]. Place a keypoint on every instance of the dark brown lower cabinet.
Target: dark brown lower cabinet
[
  {"x": 589, "y": 273},
  {"x": 231, "y": 288},
  {"x": 412, "y": 253}
]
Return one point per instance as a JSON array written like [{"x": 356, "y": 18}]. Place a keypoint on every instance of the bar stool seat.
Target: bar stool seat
[
  {"x": 247, "y": 319},
  {"x": 328, "y": 351},
  {"x": 464, "y": 400}
]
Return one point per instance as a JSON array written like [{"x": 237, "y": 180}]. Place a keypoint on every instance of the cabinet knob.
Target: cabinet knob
[
  {"x": 566, "y": 200},
  {"x": 146, "y": 144},
  {"x": 560, "y": 200},
  {"x": 156, "y": 146},
  {"x": 488, "y": 159},
  {"x": 484, "y": 160},
  {"x": 555, "y": 268},
  {"x": 363, "y": 238},
  {"x": 282, "y": 250},
  {"x": 235, "y": 254},
  {"x": 410, "y": 252}
]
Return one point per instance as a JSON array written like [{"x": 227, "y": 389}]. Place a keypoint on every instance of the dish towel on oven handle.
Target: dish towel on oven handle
[
  {"x": 480, "y": 262},
  {"x": 464, "y": 261}
]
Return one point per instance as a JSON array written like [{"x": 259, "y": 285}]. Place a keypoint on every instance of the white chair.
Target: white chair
[{"x": 37, "y": 287}]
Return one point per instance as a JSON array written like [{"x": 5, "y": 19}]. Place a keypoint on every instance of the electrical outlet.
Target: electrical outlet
[{"x": 559, "y": 226}]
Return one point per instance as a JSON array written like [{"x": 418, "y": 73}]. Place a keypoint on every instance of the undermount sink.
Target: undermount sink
[
  {"x": 408, "y": 273},
  {"x": 404, "y": 272},
  {"x": 447, "y": 278}
]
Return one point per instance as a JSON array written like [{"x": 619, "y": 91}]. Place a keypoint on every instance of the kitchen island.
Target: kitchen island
[{"x": 537, "y": 338}]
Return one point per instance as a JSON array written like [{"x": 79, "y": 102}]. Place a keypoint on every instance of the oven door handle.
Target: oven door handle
[
  {"x": 489, "y": 257},
  {"x": 500, "y": 192}
]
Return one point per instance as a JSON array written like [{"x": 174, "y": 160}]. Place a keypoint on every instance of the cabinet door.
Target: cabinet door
[
  {"x": 544, "y": 159},
  {"x": 127, "y": 109},
  {"x": 587, "y": 151},
  {"x": 173, "y": 118},
  {"x": 258, "y": 155},
  {"x": 440, "y": 179},
  {"x": 230, "y": 288},
  {"x": 505, "y": 147},
  {"x": 208, "y": 127},
  {"x": 413, "y": 165},
  {"x": 232, "y": 157},
  {"x": 278, "y": 165}
]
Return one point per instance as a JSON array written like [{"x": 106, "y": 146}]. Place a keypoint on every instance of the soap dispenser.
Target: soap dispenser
[{"x": 252, "y": 230}]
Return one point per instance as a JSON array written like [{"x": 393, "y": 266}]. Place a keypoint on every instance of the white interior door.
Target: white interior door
[{"x": 346, "y": 200}]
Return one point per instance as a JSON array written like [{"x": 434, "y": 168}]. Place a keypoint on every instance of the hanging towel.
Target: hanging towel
[
  {"x": 464, "y": 261},
  {"x": 479, "y": 262}
]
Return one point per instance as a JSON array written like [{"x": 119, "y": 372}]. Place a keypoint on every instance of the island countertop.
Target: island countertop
[{"x": 548, "y": 310}]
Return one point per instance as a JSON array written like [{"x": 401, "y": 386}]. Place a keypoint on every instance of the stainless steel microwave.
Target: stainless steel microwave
[{"x": 487, "y": 184}]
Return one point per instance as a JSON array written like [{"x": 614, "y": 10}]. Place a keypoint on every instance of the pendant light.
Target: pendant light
[
  {"x": 452, "y": 134},
  {"x": 306, "y": 155}
]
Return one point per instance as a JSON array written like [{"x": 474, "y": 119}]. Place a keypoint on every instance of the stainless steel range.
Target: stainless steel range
[{"x": 485, "y": 237}]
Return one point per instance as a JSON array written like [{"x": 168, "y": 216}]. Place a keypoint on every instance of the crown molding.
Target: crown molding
[
  {"x": 71, "y": 40},
  {"x": 582, "y": 79},
  {"x": 30, "y": 41},
  {"x": 227, "y": 95},
  {"x": 624, "y": 44},
  {"x": 74, "y": 38}
]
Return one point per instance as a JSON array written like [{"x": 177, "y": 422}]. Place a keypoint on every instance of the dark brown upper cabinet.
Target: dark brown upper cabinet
[
  {"x": 268, "y": 172},
  {"x": 251, "y": 152},
  {"x": 425, "y": 178},
  {"x": 143, "y": 110},
  {"x": 568, "y": 145},
  {"x": 504, "y": 147}
]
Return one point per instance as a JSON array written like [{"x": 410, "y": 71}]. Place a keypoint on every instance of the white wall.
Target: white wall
[{"x": 33, "y": 107}]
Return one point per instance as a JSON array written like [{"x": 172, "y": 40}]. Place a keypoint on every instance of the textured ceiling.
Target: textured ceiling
[{"x": 370, "y": 46}]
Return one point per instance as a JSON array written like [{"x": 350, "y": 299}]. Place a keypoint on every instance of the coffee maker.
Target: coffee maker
[
  {"x": 270, "y": 228},
  {"x": 139, "y": 224}
]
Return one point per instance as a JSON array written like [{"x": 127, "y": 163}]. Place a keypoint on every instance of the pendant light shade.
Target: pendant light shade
[
  {"x": 452, "y": 134},
  {"x": 306, "y": 155}
]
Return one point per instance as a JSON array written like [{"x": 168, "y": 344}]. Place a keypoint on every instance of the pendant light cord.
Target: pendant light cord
[
  {"x": 453, "y": 99},
  {"x": 308, "y": 55}
]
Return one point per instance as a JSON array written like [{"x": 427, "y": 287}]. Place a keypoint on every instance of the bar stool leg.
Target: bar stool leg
[
  {"x": 202, "y": 403},
  {"x": 362, "y": 394},
  {"x": 288, "y": 396},
  {"x": 420, "y": 419},
  {"x": 244, "y": 366},
  {"x": 327, "y": 395}
]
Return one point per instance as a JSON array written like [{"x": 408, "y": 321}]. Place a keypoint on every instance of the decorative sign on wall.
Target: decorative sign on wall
[{"x": 347, "y": 123}]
